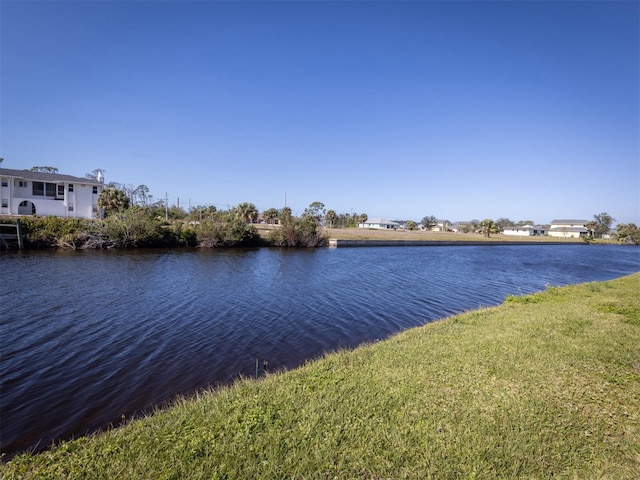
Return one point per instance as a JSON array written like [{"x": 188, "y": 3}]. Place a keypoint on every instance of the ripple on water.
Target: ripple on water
[{"x": 113, "y": 333}]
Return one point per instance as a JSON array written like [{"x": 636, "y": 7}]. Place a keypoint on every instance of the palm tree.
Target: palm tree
[
  {"x": 246, "y": 212},
  {"x": 270, "y": 215},
  {"x": 331, "y": 217},
  {"x": 285, "y": 215},
  {"x": 113, "y": 200},
  {"x": 486, "y": 227}
]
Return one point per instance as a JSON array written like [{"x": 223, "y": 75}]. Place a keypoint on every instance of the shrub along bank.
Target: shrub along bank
[
  {"x": 141, "y": 227},
  {"x": 543, "y": 386}
]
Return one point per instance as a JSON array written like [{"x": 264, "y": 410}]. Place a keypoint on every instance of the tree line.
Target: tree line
[
  {"x": 123, "y": 225},
  {"x": 119, "y": 197},
  {"x": 597, "y": 228},
  {"x": 131, "y": 218}
]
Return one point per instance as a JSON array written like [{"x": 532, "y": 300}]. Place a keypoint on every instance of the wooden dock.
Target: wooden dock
[{"x": 11, "y": 235}]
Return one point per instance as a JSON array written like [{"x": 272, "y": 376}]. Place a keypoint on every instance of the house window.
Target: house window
[
  {"x": 50, "y": 189},
  {"x": 41, "y": 188},
  {"x": 5, "y": 182},
  {"x": 61, "y": 190},
  {"x": 95, "y": 189},
  {"x": 70, "y": 207},
  {"x": 5, "y": 203},
  {"x": 23, "y": 184},
  {"x": 38, "y": 188},
  {"x": 71, "y": 187}
]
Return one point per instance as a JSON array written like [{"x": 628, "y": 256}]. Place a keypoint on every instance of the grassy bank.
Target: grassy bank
[
  {"x": 546, "y": 385},
  {"x": 427, "y": 236},
  {"x": 372, "y": 234}
]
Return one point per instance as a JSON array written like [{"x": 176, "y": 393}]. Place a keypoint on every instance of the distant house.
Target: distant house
[
  {"x": 379, "y": 224},
  {"x": 458, "y": 227},
  {"x": 525, "y": 230},
  {"x": 441, "y": 226},
  {"x": 34, "y": 193},
  {"x": 568, "y": 228}
]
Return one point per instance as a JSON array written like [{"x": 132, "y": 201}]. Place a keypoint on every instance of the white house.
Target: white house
[
  {"x": 568, "y": 228},
  {"x": 525, "y": 230},
  {"x": 34, "y": 193},
  {"x": 441, "y": 226},
  {"x": 379, "y": 223}
]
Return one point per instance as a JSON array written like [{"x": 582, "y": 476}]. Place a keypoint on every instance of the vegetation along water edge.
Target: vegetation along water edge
[
  {"x": 139, "y": 227},
  {"x": 543, "y": 386},
  {"x": 123, "y": 222}
]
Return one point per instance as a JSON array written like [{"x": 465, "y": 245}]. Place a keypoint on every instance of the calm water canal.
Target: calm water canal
[{"x": 89, "y": 337}]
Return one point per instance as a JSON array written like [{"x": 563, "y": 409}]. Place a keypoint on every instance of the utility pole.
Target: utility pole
[{"x": 166, "y": 206}]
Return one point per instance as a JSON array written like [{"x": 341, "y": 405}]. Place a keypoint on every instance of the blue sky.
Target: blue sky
[{"x": 461, "y": 110}]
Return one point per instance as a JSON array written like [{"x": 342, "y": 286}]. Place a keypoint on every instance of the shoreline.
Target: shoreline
[{"x": 343, "y": 243}]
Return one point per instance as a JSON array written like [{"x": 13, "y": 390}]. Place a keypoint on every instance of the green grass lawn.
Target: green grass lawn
[{"x": 543, "y": 386}]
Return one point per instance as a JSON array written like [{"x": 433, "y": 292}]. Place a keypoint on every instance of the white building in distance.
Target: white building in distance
[{"x": 24, "y": 192}]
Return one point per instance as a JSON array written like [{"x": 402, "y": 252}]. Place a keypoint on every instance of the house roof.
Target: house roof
[
  {"x": 569, "y": 229},
  {"x": 569, "y": 222},
  {"x": 45, "y": 177},
  {"x": 381, "y": 221}
]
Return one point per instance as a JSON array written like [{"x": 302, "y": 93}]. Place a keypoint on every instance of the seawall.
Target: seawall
[{"x": 336, "y": 242}]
